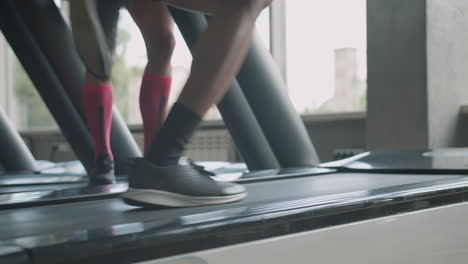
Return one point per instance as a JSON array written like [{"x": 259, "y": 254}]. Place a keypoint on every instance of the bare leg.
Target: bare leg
[
  {"x": 90, "y": 40},
  {"x": 156, "y": 25},
  {"x": 217, "y": 58},
  {"x": 91, "y": 80},
  {"x": 220, "y": 50},
  {"x": 206, "y": 6}
]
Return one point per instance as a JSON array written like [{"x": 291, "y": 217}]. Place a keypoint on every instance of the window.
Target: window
[
  {"x": 19, "y": 99},
  {"x": 324, "y": 63},
  {"x": 128, "y": 68},
  {"x": 326, "y": 55},
  {"x": 28, "y": 110},
  {"x": 263, "y": 27}
]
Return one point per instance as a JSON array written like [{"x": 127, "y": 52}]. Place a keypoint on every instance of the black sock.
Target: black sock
[{"x": 173, "y": 137}]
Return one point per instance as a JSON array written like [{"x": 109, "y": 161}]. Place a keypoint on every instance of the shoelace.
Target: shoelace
[{"x": 200, "y": 168}]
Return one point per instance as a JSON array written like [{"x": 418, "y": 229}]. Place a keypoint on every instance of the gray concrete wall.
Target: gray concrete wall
[
  {"x": 417, "y": 73},
  {"x": 397, "y": 77},
  {"x": 447, "y": 56}
]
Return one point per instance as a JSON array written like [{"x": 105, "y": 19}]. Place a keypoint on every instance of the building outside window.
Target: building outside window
[{"x": 326, "y": 55}]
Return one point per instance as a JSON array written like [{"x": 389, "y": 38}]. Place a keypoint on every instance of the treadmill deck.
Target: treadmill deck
[{"x": 93, "y": 230}]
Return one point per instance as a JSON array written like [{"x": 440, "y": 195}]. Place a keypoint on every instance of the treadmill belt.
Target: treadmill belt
[
  {"x": 74, "y": 217},
  {"x": 49, "y": 187}
]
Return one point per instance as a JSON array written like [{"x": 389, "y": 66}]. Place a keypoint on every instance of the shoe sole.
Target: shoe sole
[{"x": 143, "y": 197}]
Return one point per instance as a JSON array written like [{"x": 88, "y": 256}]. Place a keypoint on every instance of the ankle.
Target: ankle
[
  {"x": 91, "y": 80},
  {"x": 170, "y": 143}
]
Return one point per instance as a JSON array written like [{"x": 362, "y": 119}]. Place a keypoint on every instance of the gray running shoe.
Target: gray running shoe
[{"x": 176, "y": 186}]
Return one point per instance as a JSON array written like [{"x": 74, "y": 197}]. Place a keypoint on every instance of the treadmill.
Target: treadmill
[
  {"x": 297, "y": 209},
  {"x": 287, "y": 209},
  {"x": 22, "y": 173},
  {"x": 34, "y": 27}
]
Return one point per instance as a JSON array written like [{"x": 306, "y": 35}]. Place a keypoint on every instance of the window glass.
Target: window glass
[
  {"x": 263, "y": 27},
  {"x": 326, "y": 55},
  {"x": 28, "y": 110},
  {"x": 22, "y": 103},
  {"x": 20, "y": 100}
]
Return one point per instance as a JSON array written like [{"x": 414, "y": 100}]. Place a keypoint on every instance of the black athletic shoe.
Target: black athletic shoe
[
  {"x": 103, "y": 172},
  {"x": 176, "y": 186}
]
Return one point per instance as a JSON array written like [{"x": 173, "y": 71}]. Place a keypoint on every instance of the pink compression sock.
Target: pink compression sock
[
  {"x": 154, "y": 96},
  {"x": 98, "y": 109}
]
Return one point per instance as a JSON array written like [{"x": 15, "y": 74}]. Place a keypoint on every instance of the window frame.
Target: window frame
[
  {"x": 278, "y": 42},
  {"x": 6, "y": 80}
]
